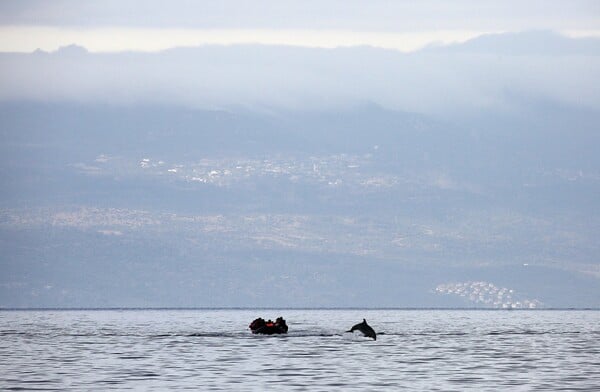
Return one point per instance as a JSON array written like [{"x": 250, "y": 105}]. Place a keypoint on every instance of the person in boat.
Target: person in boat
[
  {"x": 256, "y": 324},
  {"x": 280, "y": 323}
]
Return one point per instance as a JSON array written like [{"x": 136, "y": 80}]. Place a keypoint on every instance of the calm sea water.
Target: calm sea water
[{"x": 214, "y": 350}]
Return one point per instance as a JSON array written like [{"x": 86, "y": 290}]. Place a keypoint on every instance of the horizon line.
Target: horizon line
[{"x": 9, "y": 309}]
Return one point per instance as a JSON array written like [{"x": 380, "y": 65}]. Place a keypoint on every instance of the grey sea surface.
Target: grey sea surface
[{"x": 203, "y": 349}]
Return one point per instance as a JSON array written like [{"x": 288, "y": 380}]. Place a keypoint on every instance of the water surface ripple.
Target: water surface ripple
[{"x": 214, "y": 350}]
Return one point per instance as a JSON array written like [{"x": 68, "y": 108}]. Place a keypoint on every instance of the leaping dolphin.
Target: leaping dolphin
[{"x": 365, "y": 329}]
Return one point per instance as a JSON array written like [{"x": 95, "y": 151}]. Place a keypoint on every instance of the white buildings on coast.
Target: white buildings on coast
[{"x": 487, "y": 294}]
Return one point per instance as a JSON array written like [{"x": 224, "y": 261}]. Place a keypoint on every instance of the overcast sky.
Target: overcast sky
[
  {"x": 496, "y": 72},
  {"x": 156, "y": 25}
]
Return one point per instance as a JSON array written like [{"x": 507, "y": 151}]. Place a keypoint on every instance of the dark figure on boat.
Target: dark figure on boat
[
  {"x": 365, "y": 329},
  {"x": 269, "y": 327}
]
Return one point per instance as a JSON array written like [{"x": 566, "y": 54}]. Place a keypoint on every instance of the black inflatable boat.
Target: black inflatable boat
[{"x": 268, "y": 327}]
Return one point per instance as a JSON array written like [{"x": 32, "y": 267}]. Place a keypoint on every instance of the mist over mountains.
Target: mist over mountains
[
  {"x": 279, "y": 176},
  {"x": 487, "y": 73}
]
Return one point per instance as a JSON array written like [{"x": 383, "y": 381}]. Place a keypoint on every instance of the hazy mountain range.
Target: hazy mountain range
[{"x": 280, "y": 176}]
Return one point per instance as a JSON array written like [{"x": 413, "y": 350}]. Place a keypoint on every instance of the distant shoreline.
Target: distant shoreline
[{"x": 16, "y": 309}]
